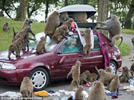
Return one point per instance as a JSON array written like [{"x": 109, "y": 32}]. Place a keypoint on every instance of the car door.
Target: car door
[
  {"x": 65, "y": 60},
  {"x": 94, "y": 58}
]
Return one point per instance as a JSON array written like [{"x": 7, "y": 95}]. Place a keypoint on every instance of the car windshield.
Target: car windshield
[{"x": 48, "y": 48}]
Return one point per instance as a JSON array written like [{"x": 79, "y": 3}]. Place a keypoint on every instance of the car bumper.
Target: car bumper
[{"x": 13, "y": 76}]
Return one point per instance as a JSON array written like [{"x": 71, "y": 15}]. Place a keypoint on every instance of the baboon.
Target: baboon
[
  {"x": 23, "y": 33},
  {"x": 80, "y": 17},
  {"x": 27, "y": 23},
  {"x": 16, "y": 47},
  {"x": 84, "y": 76},
  {"x": 97, "y": 92},
  {"x": 5, "y": 27},
  {"x": 112, "y": 24},
  {"x": 114, "y": 84},
  {"x": 40, "y": 48},
  {"x": 132, "y": 69},
  {"x": 68, "y": 23},
  {"x": 125, "y": 75},
  {"x": 75, "y": 71},
  {"x": 108, "y": 69},
  {"x": 63, "y": 17},
  {"x": 26, "y": 88},
  {"x": 52, "y": 23},
  {"x": 132, "y": 40},
  {"x": 79, "y": 94},
  {"x": 87, "y": 36},
  {"x": 105, "y": 77},
  {"x": 92, "y": 77},
  {"x": 60, "y": 33}
]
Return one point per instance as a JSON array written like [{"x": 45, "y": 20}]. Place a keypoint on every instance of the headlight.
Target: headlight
[{"x": 8, "y": 66}]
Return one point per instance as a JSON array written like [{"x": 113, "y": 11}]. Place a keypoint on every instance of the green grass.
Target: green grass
[
  {"x": 127, "y": 31},
  {"x": 124, "y": 48},
  {"x": 6, "y": 37}
]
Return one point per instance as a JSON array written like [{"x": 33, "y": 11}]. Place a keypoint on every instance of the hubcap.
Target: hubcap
[
  {"x": 39, "y": 79},
  {"x": 113, "y": 67}
]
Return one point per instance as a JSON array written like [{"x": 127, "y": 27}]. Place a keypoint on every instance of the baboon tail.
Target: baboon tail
[
  {"x": 97, "y": 69},
  {"x": 121, "y": 41},
  {"x": 14, "y": 32}
]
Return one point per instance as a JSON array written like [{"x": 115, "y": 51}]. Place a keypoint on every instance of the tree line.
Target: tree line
[{"x": 124, "y": 9}]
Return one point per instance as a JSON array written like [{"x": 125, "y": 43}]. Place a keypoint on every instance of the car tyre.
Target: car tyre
[
  {"x": 40, "y": 78},
  {"x": 113, "y": 66}
]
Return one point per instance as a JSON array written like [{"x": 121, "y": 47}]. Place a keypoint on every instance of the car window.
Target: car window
[
  {"x": 96, "y": 43},
  {"x": 48, "y": 48},
  {"x": 71, "y": 45}
]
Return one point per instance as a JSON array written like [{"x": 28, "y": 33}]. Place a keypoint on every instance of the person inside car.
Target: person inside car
[{"x": 71, "y": 47}]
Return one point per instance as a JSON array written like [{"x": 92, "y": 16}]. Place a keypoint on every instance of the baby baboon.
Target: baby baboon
[
  {"x": 125, "y": 75},
  {"x": 68, "y": 23},
  {"x": 132, "y": 69},
  {"x": 92, "y": 77},
  {"x": 132, "y": 40},
  {"x": 26, "y": 88},
  {"x": 75, "y": 71},
  {"x": 40, "y": 48},
  {"x": 84, "y": 76},
  {"x": 79, "y": 94},
  {"x": 97, "y": 92},
  {"x": 112, "y": 24},
  {"x": 108, "y": 69},
  {"x": 114, "y": 84},
  {"x": 5, "y": 27},
  {"x": 87, "y": 37},
  {"x": 80, "y": 17},
  {"x": 16, "y": 47},
  {"x": 52, "y": 23},
  {"x": 63, "y": 17},
  {"x": 105, "y": 77}
]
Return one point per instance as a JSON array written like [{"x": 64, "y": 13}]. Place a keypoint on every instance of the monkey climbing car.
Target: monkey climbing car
[{"x": 81, "y": 42}]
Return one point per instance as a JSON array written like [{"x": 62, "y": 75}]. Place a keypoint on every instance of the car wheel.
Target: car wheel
[
  {"x": 40, "y": 78},
  {"x": 113, "y": 66}
]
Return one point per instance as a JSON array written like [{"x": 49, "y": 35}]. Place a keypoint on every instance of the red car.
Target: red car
[{"x": 55, "y": 63}]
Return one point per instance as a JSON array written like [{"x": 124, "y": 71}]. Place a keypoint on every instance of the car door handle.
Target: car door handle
[{"x": 80, "y": 55}]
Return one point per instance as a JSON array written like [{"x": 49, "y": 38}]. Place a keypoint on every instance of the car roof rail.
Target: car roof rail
[{"x": 87, "y": 25}]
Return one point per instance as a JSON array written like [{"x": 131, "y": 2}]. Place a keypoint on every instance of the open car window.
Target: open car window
[{"x": 65, "y": 48}]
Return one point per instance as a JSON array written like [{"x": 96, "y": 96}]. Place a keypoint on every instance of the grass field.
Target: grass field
[
  {"x": 127, "y": 31},
  {"x": 6, "y": 37},
  {"x": 124, "y": 48}
]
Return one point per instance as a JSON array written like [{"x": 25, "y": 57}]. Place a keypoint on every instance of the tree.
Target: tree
[
  {"x": 33, "y": 6},
  {"x": 130, "y": 14},
  {"x": 66, "y": 2},
  {"x": 22, "y": 10},
  {"x": 7, "y": 6},
  {"x": 102, "y": 9}
]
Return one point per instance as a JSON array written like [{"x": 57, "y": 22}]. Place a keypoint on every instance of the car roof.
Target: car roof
[{"x": 78, "y": 8}]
